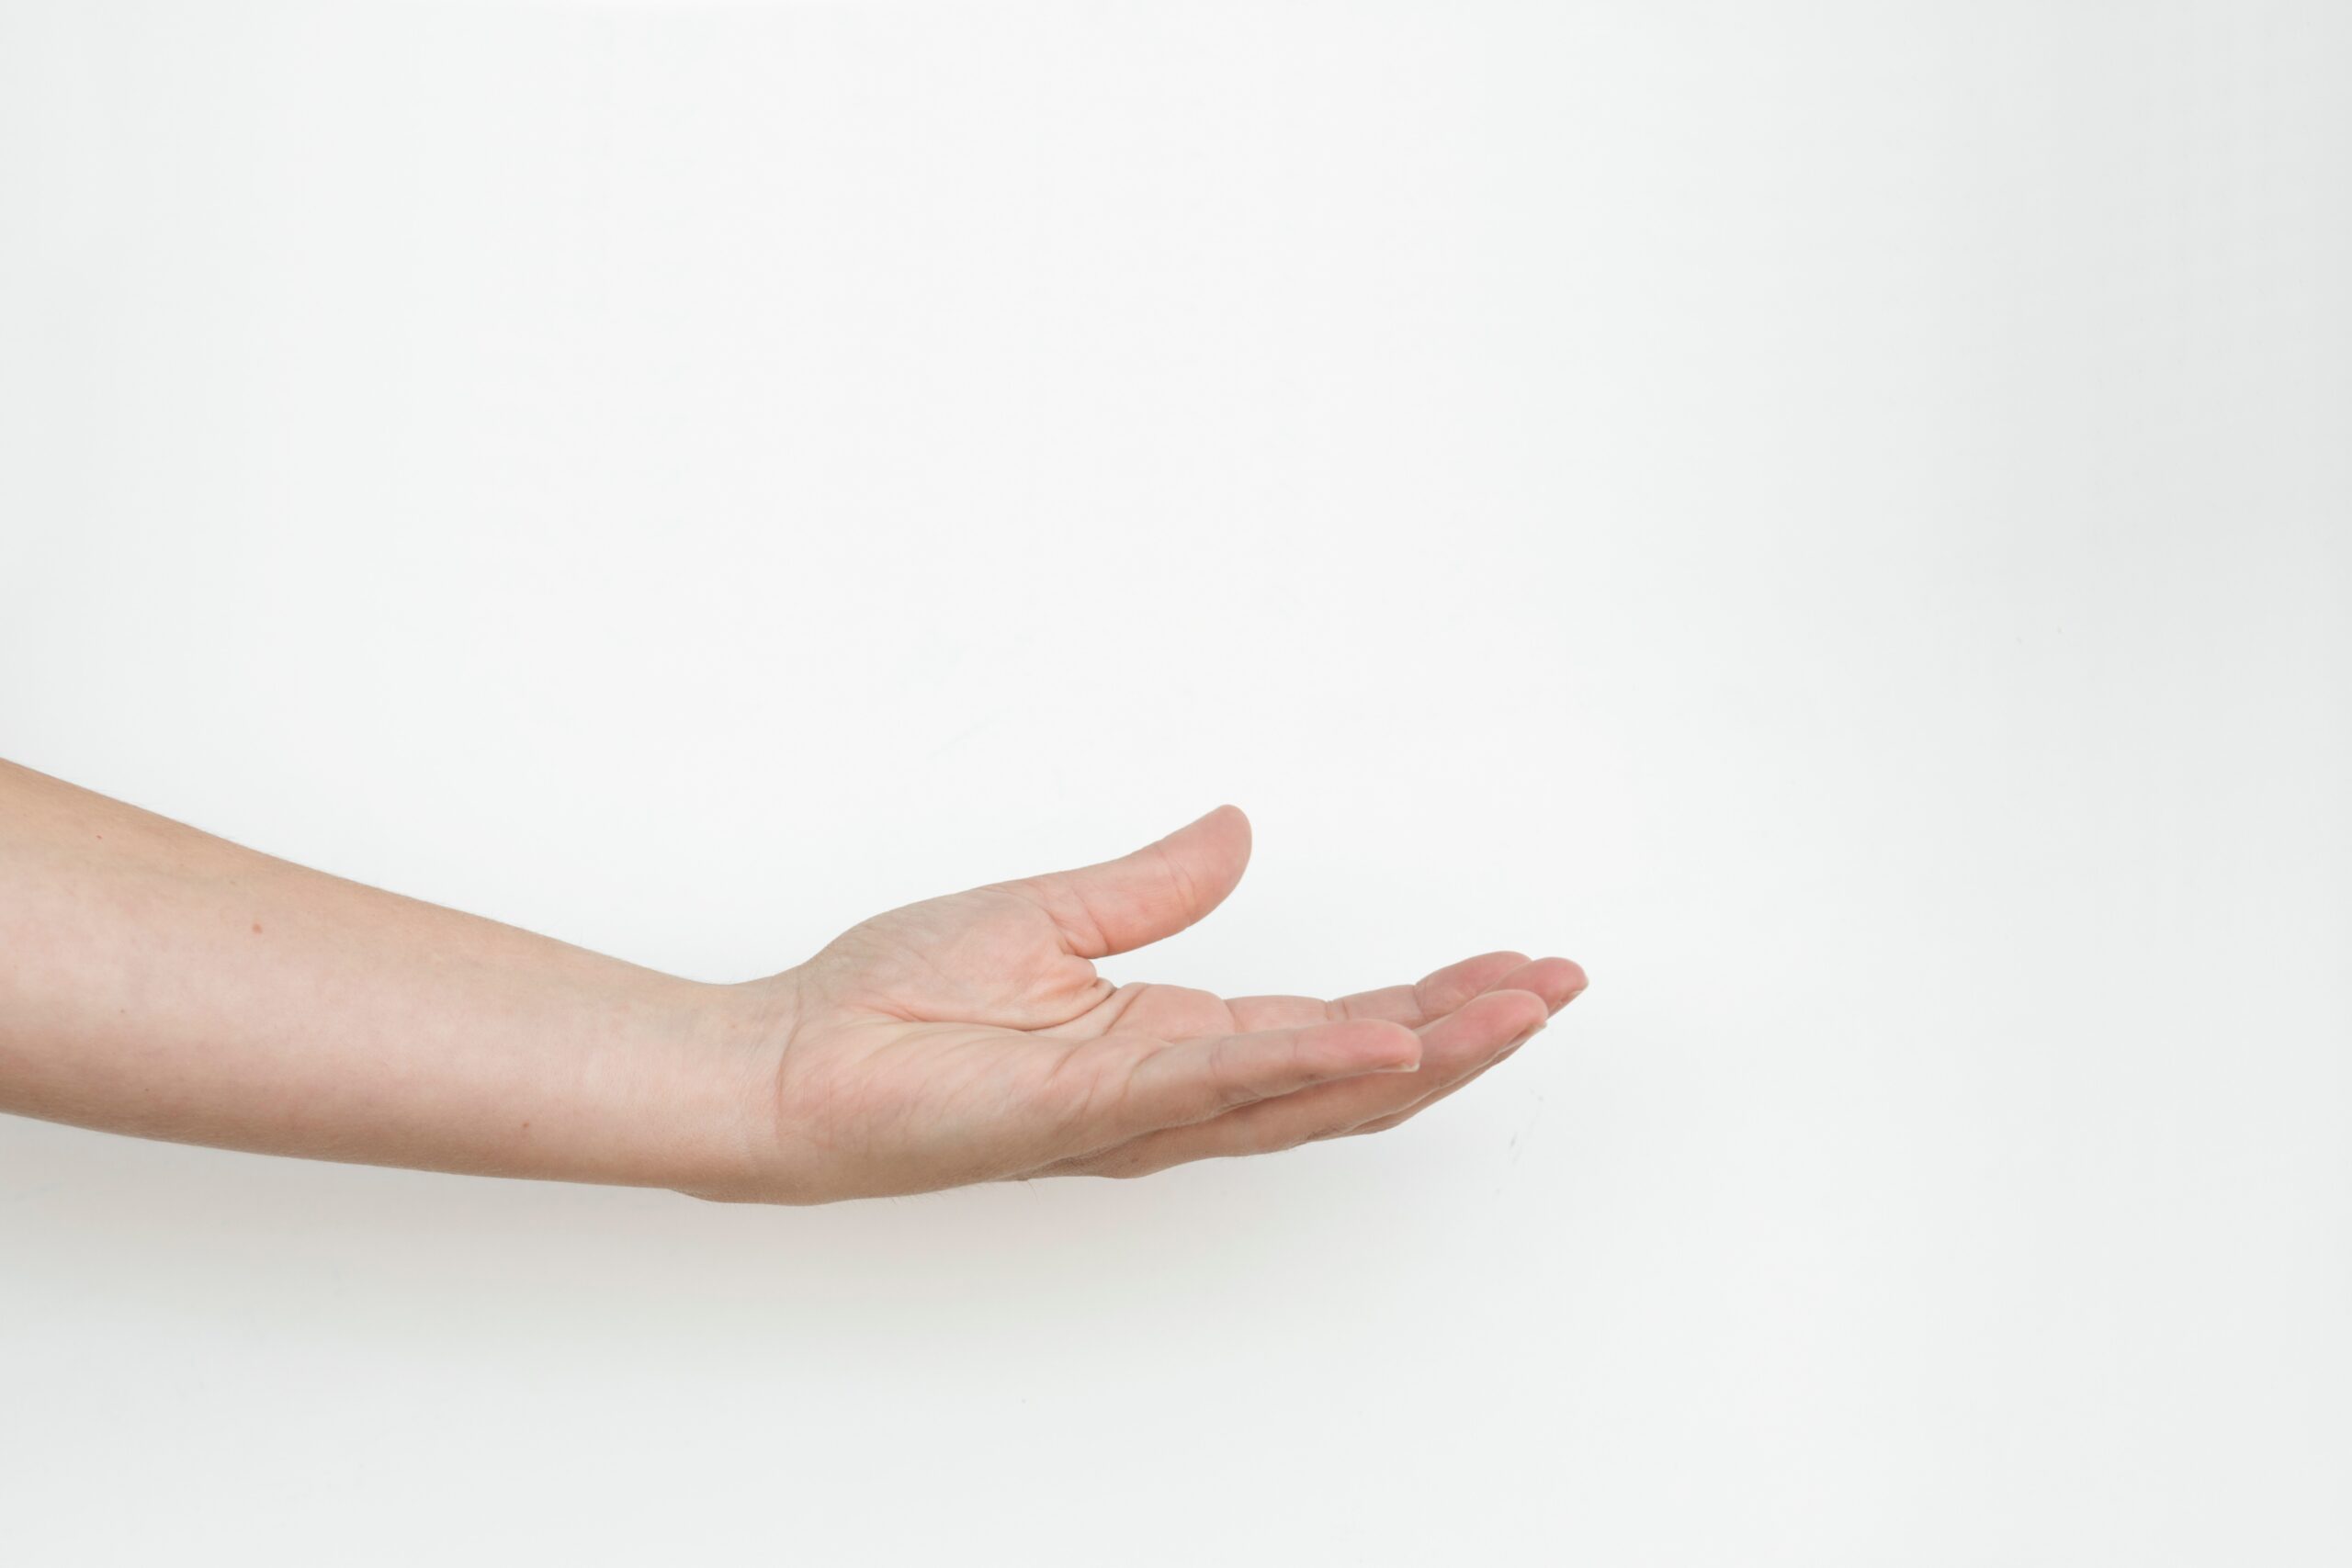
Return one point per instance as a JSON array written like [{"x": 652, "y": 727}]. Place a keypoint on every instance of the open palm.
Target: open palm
[{"x": 968, "y": 1038}]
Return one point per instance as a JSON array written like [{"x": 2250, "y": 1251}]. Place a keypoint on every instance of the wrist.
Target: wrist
[{"x": 723, "y": 1141}]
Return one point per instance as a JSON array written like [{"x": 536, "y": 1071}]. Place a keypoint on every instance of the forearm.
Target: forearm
[{"x": 158, "y": 981}]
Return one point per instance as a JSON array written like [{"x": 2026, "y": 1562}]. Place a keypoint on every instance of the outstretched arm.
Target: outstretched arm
[{"x": 158, "y": 981}]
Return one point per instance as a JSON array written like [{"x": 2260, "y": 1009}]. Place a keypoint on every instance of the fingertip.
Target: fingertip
[
  {"x": 1491, "y": 1018},
  {"x": 1558, "y": 981},
  {"x": 1370, "y": 1045},
  {"x": 1528, "y": 1006},
  {"x": 1401, "y": 1051},
  {"x": 1221, "y": 837},
  {"x": 1232, "y": 820}
]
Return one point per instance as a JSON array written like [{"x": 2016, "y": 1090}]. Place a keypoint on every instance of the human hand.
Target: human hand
[{"x": 970, "y": 1038}]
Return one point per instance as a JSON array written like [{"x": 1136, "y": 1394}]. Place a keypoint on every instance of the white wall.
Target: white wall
[{"x": 1836, "y": 516}]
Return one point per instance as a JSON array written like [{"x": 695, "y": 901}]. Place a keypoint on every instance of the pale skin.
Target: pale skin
[{"x": 158, "y": 981}]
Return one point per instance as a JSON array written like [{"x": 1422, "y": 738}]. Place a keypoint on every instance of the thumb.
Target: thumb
[{"x": 1153, "y": 893}]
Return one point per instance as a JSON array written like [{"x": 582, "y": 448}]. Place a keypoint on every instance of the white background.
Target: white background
[{"x": 1836, "y": 516}]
